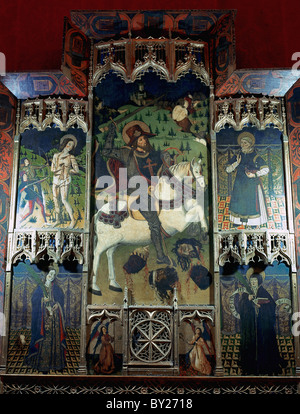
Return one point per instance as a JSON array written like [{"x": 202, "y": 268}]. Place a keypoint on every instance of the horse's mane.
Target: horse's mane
[{"x": 180, "y": 169}]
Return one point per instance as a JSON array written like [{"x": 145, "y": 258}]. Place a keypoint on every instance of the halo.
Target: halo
[
  {"x": 129, "y": 125},
  {"x": 54, "y": 266},
  {"x": 200, "y": 326},
  {"x": 69, "y": 136},
  {"x": 103, "y": 326},
  {"x": 250, "y": 272},
  {"x": 244, "y": 135}
]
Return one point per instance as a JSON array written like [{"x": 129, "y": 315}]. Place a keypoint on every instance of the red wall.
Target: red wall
[{"x": 267, "y": 32}]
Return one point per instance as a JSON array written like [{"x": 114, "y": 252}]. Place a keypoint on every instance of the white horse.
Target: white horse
[{"x": 132, "y": 231}]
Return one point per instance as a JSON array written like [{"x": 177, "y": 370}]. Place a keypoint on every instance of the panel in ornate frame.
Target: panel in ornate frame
[
  {"x": 254, "y": 232},
  {"x": 48, "y": 234}
]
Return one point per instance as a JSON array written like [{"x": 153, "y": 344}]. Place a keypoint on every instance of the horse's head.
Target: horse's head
[
  {"x": 196, "y": 170},
  {"x": 192, "y": 169}
]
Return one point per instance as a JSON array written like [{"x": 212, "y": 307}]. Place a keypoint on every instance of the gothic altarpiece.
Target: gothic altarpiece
[{"x": 201, "y": 285}]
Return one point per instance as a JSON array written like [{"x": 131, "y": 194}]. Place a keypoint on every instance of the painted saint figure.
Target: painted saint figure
[
  {"x": 47, "y": 349},
  {"x": 197, "y": 355},
  {"x": 247, "y": 203},
  {"x": 63, "y": 166},
  {"x": 139, "y": 159},
  {"x": 105, "y": 364},
  {"x": 259, "y": 352}
]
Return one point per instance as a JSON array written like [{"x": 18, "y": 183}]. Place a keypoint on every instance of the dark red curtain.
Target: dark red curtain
[{"x": 31, "y": 31}]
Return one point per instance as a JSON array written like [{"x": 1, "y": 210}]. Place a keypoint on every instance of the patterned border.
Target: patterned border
[
  {"x": 7, "y": 132},
  {"x": 217, "y": 24},
  {"x": 270, "y": 82},
  {"x": 101, "y": 386},
  {"x": 32, "y": 84}
]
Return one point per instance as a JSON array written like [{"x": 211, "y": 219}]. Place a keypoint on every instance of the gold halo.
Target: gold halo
[
  {"x": 69, "y": 136},
  {"x": 129, "y": 125},
  {"x": 250, "y": 272},
  {"x": 199, "y": 327},
  {"x": 53, "y": 266},
  {"x": 248, "y": 135}
]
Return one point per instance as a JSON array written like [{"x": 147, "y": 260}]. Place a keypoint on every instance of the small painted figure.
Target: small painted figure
[
  {"x": 105, "y": 364},
  {"x": 259, "y": 353},
  {"x": 197, "y": 354},
  {"x": 181, "y": 116},
  {"x": 30, "y": 189},
  {"x": 180, "y": 113},
  {"x": 247, "y": 203},
  {"x": 63, "y": 166},
  {"x": 47, "y": 349}
]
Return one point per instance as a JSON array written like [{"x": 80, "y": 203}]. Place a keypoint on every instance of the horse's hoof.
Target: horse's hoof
[
  {"x": 115, "y": 288},
  {"x": 95, "y": 291}
]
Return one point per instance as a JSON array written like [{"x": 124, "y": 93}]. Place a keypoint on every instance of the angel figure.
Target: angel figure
[
  {"x": 201, "y": 355},
  {"x": 105, "y": 363}
]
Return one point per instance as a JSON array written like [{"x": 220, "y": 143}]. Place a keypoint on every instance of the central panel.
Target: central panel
[{"x": 151, "y": 199}]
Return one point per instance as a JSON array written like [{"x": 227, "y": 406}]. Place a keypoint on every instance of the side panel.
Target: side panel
[{"x": 8, "y": 108}]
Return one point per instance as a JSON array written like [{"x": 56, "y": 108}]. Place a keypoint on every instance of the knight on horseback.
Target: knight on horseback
[{"x": 140, "y": 159}]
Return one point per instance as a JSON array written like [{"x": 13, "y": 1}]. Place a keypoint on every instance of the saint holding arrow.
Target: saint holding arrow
[{"x": 31, "y": 188}]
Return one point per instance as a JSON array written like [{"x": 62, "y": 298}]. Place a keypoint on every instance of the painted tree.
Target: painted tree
[
  {"x": 188, "y": 147},
  {"x": 171, "y": 132}
]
